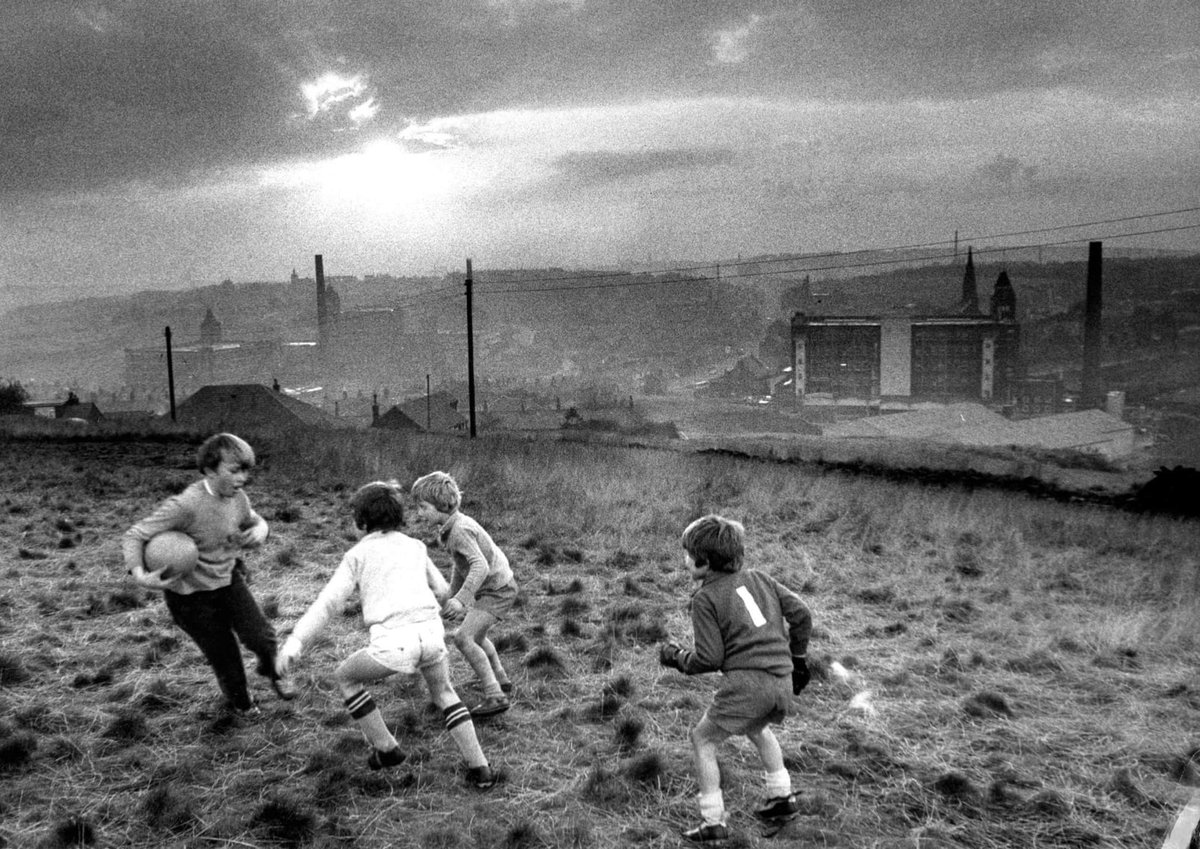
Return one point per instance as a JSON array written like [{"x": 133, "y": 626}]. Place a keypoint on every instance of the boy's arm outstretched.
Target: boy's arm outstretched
[
  {"x": 332, "y": 598},
  {"x": 436, "y": 580}
]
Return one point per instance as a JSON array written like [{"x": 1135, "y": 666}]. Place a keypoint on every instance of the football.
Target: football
[{"x": 173, "y": 550}]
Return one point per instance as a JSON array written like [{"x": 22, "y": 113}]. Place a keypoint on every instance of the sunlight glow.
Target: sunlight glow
[{"x": 381, "y": 179}]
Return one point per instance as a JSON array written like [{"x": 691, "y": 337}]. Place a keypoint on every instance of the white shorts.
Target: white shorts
[{"x": 410, "y": 647}]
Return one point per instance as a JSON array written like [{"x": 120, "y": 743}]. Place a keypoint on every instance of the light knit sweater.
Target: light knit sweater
[
  {"x": 395, "y": 579},
  {"x": 215, "y": 523},
  {"x": 479, "y": 564}
]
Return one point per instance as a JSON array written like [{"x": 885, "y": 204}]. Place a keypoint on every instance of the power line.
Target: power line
[
  {"x": 804, "y": 267},
  {"x": 686, "y": 270}
]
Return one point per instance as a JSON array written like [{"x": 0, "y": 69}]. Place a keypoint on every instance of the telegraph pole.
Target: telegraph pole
[
  {"x": 170, "y": 372},
  {"x": 1092, "y": 389},
  {"x": 470, "y": 353}
]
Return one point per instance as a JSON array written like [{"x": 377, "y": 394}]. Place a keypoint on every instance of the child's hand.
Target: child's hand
[
  {"x": 150, "y": 580},
  {"x": 454, "y": 609},
  {"x": 255, "y": 535},
  {"x": 287, "y": 656},
  {"x": 668, "y": 655},
  {"x": 800, "y": 674}
]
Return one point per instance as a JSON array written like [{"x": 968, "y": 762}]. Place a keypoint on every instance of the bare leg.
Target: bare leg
[
  {"x": 352, "y": 676},
  {"x": 706, "y": 737},
  {"x": 469, "y": 638},
  {"x": 457, "y": 717}
]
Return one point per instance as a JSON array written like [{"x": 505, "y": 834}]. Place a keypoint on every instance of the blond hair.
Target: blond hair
[{"x": 438, "y": 489}]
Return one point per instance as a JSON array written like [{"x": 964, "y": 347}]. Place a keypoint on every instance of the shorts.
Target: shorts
[
  {"x": 409, "y": 647},
  {"x": 497, "y": 602},
  {"x": 750, "y": 699}
]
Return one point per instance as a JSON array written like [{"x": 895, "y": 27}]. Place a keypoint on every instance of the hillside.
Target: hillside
[{"x": 992, "y": 671}]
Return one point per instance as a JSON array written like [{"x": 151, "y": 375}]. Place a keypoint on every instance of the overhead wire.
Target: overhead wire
[{"x": 800, "y": 263}]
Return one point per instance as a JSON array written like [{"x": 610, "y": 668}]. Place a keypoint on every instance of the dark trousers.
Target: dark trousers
[{"x": 216, "y": 620}]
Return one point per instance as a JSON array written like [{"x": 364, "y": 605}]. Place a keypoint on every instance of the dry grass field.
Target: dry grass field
[{"x": 1022, "y": 673}]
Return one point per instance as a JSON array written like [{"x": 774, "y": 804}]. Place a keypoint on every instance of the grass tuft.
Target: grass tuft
[
  {"x": 16, "y": 749},
  {"x": 166, "y": 807},
  {"x": 604, "y": 788},
  {"x": 987, "y": 704},
  {"x": 605, "y": 709},
  {"x": 285, "y": 821},
  {"x": 127, "y": 726},
  {"x": 648, "y": 768},
  {"x": 572, "y": 606},
  {"x": 523, "y": 835},
  {"x": 75, "y": 831},
  {"x": 545, "y": 661},
  {"x": 12, "y": 670},
  {"x": 510, "y": 642},
  {"x": 628, "y": 732}
]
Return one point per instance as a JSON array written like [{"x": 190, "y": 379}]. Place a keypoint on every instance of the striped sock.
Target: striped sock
[
  {"x": 370, "y": 721},
  {"x": 462, "y": 732},
  {"x": 455, "y": 715}
]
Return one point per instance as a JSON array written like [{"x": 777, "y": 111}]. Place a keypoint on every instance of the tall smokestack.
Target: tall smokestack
[
  {"x": 322, "y": 326},
  {"x": 1093, "y": 389}
]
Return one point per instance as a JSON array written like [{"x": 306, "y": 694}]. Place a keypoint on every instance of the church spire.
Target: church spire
[{"x": 969, "y": 305}]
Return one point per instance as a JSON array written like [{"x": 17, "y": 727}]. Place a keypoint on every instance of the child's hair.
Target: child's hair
[
  {"x": 715, "y": 542},
  {"x": 438, "y": 489},
  {"x": 213, "y": 450},
  {"x": 378, "y": 506}
]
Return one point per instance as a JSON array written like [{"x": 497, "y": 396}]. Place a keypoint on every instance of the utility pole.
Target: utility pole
[
  {"x": 470, "y": 353},
  {"x": 1092, "y": 388},
  {"x": 170, "y": 372},
  {"x": 428, "y": 402}
]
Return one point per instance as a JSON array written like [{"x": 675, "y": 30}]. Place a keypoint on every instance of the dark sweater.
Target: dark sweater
[{"x": 746, "y": 620}]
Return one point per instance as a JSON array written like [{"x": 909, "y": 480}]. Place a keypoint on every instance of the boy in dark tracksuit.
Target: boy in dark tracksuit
[{"x": 755, "y": 631}]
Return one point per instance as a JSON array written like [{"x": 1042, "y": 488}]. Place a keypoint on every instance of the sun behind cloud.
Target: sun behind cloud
[{"x": 335, "y": 94}]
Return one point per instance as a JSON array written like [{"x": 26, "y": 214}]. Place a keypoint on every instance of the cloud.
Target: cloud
[
  {"x": 1008, "y": 171},
  {"x": 593, "y": 167},
  {"x": 730, "y": 46}
]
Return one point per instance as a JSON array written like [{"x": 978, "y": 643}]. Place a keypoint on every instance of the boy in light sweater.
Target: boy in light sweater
[
  {"x": 482, "y": 585},
  {"x": 400, "y": 589}
]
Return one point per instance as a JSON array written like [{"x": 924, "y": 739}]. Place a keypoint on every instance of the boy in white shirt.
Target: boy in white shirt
[{"x": 400, "y": 589}]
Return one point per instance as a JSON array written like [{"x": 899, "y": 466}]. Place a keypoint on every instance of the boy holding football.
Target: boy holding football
[
  {"x": 755, "y": 631},
  {"x": 482, "y": 586},
  {"x": 401, "y": 593},
  {"x": 212, "y": 603}
]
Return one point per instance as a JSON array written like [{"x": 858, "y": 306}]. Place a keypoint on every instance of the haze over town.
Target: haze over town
[{"x": 169, "y": 145}]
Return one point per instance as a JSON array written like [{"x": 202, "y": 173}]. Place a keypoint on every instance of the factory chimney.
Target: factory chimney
[
  {"x": 1092, "y": 383},
  {"x": 322, "y": 317}
]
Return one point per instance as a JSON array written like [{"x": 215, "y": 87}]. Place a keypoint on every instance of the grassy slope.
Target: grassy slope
[{"x": 1029, "y": 664}]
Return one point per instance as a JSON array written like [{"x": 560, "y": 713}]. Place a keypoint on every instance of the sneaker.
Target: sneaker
[
  {"x": 707, "y": 833},
  {"x": 779, "y": 808},
  {"x": 251, "y": 712},
  {"x": 284, "y": 688},
  {"x": 491, "y": 706},
  {"x": 484, "y": 777},
  {"x": 380, "y": 758}
]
